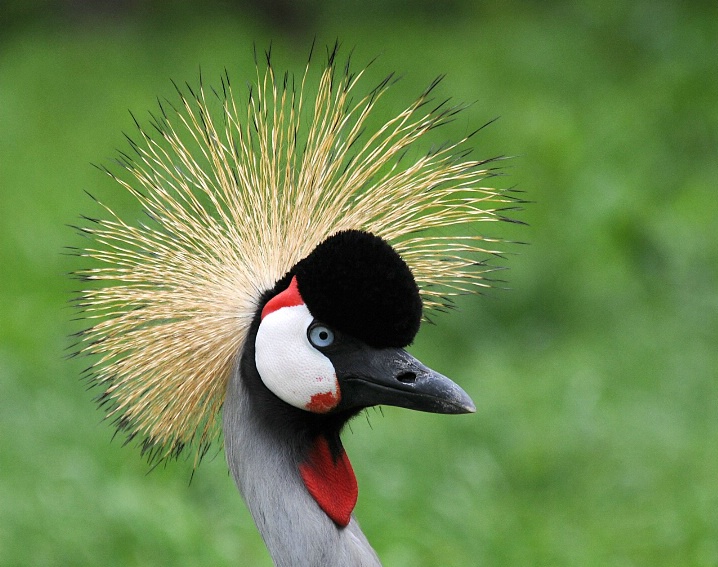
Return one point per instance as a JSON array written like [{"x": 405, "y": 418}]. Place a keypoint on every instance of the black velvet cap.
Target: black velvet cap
[{"x": 357, "y": 283}]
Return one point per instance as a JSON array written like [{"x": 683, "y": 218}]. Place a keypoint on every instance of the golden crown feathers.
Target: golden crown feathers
[{"x": 234, "y": 194}]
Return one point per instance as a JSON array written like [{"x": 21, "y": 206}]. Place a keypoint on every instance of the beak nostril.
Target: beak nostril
[{"x": 407, "y": 377}]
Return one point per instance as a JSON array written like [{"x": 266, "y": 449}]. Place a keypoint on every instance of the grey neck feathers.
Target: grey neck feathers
[{"x": 265, "y": 464}]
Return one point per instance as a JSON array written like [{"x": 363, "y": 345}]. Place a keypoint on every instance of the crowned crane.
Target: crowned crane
[{"x": 287, "y": 258}]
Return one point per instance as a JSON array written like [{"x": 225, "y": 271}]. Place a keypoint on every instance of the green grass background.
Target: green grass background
[{"x": 596, "y": 436}]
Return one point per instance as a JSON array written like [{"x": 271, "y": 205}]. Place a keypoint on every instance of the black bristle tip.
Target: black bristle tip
[{"x": 357, "y": 283}]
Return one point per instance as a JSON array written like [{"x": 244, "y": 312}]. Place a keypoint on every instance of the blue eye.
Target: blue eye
[{"x": 320, "y": 336}]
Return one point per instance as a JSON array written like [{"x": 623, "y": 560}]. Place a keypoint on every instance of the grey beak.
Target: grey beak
[{"x": 391, "y": 376}]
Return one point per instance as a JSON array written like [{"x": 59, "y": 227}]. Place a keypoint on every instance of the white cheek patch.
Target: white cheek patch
[{"x": 290, "y": 366}]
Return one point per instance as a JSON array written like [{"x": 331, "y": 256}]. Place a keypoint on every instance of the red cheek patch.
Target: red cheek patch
[
  {"x": 322, "y": 403},
  {"x": 288, "y": 298}
]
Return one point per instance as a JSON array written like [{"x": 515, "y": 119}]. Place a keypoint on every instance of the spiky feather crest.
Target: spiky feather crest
[{"x": 235, "y": 194}]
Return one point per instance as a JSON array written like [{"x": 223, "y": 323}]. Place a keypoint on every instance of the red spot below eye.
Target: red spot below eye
[{"x": 322, "y": 403}]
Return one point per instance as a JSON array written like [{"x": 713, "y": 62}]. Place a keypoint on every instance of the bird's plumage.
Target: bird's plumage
[
  {"x": 286, "y": 254},
  {"x": 295, "y": 530},
  {"x": 357, "y": 283},
  {"x": 236, "y": 191}
]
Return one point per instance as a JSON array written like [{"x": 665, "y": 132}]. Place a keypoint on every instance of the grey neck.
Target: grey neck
[{"x": 265, "y": 466}]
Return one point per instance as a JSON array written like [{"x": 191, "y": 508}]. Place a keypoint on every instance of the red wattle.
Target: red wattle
[{"x": 330, "y": 481}]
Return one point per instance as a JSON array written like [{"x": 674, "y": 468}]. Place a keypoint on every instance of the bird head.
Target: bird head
[
  {"x": 332, "y": 333},
  {"x": 280, "y": 231}
]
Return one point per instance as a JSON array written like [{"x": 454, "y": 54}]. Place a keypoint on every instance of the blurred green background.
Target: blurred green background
[{"x": 596, "y": 436}]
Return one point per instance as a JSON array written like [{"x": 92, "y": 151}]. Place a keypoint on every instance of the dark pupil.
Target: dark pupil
[{"x": 323, "y": 335}]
